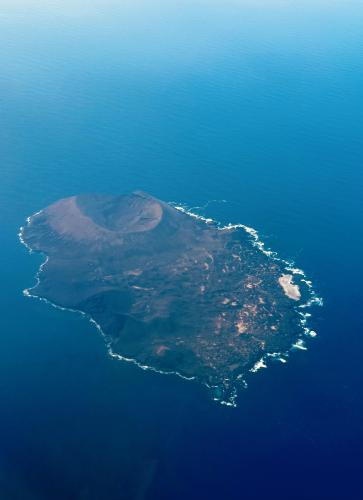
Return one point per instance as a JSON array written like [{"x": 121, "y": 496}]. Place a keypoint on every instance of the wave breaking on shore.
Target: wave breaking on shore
[{"x": 301, "y": 280}]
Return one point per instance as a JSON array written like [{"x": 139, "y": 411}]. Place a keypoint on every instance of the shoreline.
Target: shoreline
[{"x": 261, "y": 363}]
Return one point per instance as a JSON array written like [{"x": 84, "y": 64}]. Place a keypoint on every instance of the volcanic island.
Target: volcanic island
[{"x": 170, "y": 291}]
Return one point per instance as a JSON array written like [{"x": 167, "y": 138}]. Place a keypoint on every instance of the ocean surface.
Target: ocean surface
[{"x": 258, "y": 103}]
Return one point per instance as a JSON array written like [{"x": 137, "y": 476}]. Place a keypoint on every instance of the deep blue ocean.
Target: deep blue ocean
[{"x": 259, "y": 103}]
